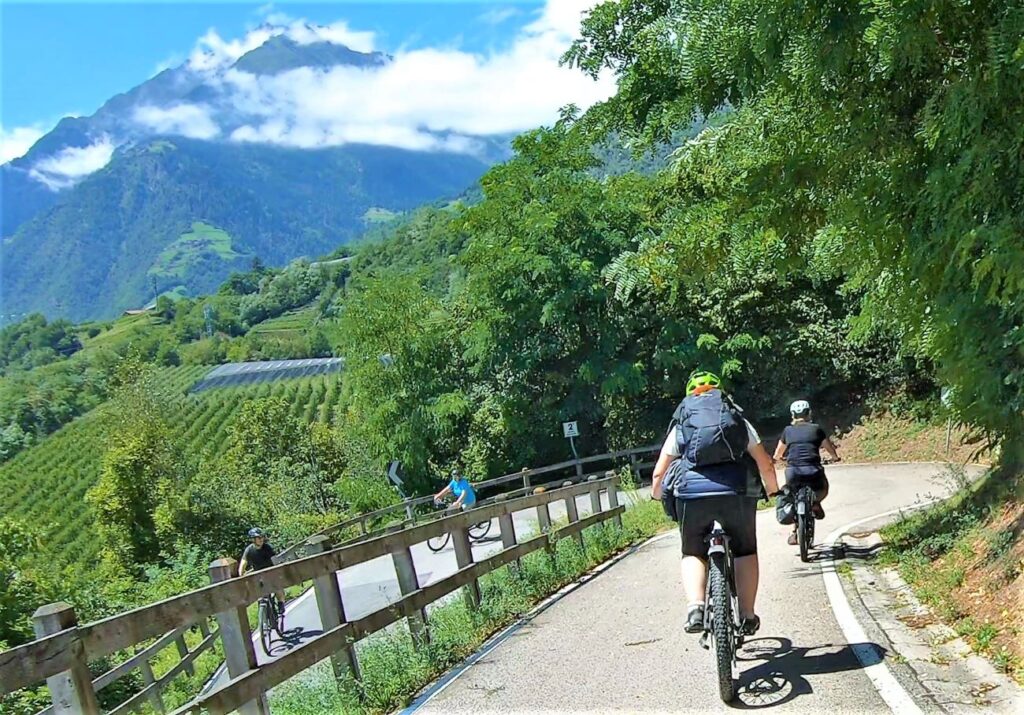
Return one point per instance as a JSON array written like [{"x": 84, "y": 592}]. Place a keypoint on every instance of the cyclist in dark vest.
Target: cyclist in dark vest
[
  {"x": 257, "y": 556},
  {"x": 711, "y": 479},
  {"x": 800, "y": 445}
]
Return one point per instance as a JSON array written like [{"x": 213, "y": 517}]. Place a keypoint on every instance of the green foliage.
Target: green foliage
[
  {"x": 34, "y": 342},
  {"x": 142, "y": 466},
  {"x": 875, "y": 144},
  {"x": 22, "y": 589},
  {"x": 277, "y": 471}
]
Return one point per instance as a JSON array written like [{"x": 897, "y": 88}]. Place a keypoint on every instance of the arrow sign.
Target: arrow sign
[{"x": 393, "y": 468}]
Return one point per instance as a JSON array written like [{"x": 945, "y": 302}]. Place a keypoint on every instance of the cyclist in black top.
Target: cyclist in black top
[
  {"x": 800, "y": 445},
  {"x": 257, "y": 556}
]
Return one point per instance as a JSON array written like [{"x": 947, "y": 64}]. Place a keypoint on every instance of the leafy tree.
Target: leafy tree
[
  {"x": 22, "y": 590},
  {"x": 142, "y": 466},
  {"x": 876, "y": 143}
]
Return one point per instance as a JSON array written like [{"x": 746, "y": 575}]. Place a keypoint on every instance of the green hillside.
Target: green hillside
[
  {"x": 182, "y": 257},
  {"x": 45, "y": 485},
  {"x": 130, "y": 228}
]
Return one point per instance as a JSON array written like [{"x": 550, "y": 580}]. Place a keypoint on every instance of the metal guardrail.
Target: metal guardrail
[{"x": 61, "y": 653}]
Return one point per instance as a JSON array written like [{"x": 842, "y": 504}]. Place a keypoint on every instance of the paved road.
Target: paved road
[
  {"x": 372, "y": 585},
  {"x": 617, "y": 643}
]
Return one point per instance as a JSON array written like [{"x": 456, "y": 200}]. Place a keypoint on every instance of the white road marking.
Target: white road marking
[{"x": 888, "y": 687}]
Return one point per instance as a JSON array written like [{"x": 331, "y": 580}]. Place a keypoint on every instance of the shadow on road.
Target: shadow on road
[
  {"x": 291, "y": 639},
  {"x": 781, "y": 677}
]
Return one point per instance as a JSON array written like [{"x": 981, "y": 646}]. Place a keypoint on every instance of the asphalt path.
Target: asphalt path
[{"x": 617, "y": 644}]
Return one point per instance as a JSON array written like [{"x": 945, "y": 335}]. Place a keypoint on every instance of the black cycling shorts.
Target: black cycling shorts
[
  {"x": 737, "y": 515},
  {"x": 817, "y": 481}
]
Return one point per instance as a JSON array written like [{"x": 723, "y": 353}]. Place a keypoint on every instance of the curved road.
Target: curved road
[{"x": 617, "y": 642}]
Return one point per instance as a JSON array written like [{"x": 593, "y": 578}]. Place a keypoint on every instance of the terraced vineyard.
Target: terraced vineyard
[{"x": 45, "y": 485}]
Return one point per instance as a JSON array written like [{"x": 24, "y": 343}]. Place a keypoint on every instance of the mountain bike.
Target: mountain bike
[
  {"x": 271, "y": 620},
  {"x": 723, "y": 626},
  {"x": 476, "y": 532},
  {"x": 805, "y": 500}
]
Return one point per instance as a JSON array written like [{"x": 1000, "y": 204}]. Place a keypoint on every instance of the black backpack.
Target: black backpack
[{"x": 710, "y": 429}]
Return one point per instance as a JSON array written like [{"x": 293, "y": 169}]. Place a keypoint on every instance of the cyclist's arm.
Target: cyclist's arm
[
  {"x": 443, "y": 493},
  {"x": 831, "y": 449},
  {"x": 765, "y": 466},
  {"x": 664, "y": 460},
  {"x": 243, "y": 566},
  {"x": 461, "y": 499},
  {"x": 780, "y": 449}
]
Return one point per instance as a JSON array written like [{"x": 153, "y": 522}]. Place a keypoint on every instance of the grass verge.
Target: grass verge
[
  {"x": 964, "y": 558},
  {"x": 394, "y": 670}
]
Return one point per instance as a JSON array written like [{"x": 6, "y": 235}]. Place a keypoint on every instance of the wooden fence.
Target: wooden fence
[
  {"x": 63, "y": 649},
  {"x": 407, "y": 513}
]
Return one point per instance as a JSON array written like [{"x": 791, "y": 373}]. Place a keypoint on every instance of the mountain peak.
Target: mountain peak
[{"x": 281, "y": 53}]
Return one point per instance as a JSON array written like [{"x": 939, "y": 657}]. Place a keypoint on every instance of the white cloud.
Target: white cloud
[
  {"x": 498, "y": 15},
  {"x": 16, "y": 142},
  {"x": 69, "y": 165},
  {"x": 189, "y": 120},
  {"x": 422, "y": 92}
]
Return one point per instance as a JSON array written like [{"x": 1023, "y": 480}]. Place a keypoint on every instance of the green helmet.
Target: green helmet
[{"x": 699, "y": 378}]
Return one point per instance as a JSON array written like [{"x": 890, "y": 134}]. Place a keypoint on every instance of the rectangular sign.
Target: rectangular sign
[{"x": 570, "y": 429}]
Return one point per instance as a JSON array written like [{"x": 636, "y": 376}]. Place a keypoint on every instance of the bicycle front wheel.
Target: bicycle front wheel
[
  {"x": 437, "y": 543},
  {"x": 722, "y": 627},
  {"x": 266, "y": 628}
]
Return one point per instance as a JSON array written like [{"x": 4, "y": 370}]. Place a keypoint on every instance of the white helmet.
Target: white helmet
[{"x": 800, "y": 407}]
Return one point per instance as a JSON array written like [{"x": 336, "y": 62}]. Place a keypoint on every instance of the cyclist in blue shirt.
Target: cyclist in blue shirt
[{"x": 461, "y": 489}]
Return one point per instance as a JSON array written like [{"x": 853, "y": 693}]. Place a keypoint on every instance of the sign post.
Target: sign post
[
  {"x": 571, "y": 430},
  {"x": 946, "y": 396}
]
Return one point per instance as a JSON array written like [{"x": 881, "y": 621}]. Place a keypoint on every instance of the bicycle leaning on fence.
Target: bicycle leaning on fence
[{"x": 476, "y": 531}]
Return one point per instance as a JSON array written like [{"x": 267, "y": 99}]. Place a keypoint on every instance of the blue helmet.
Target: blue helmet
[{"x": 255, "y": 531}]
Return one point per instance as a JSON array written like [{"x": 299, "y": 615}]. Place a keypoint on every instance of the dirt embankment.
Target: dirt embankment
[{"x": 885, "y": 438}]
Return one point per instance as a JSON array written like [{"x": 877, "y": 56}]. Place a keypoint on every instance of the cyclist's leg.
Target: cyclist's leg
[
  {"x": 740, "y": 521},
  {"x": 695, "y": 520}
]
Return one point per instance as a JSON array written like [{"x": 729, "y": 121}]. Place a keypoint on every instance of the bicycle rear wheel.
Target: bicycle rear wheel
[
  {"x": 479, "y": 531},
  {"x": 803, "y": 535},
  {"x": 722, "y": 627}
]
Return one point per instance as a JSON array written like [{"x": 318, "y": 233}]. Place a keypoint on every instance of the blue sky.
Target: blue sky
[{"x": 69, "y": 57}]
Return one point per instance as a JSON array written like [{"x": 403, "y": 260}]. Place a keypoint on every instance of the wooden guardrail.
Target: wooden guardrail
[
  {"x": 63, "y": 649},
  {"x": 406, "y": 510}
]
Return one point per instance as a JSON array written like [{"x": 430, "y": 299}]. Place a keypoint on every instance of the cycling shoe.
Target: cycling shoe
[
  {"x": 751, "y": 625},
  {"x": 695, "y": 620},
  {"x": 818, "y": 511}
]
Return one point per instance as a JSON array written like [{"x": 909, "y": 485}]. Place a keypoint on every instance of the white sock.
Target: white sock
[{"x": 692, "y": 606}]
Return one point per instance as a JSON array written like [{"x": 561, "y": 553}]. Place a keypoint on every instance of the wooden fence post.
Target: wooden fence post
[
  {"x": 573, "y": 514},
  {"x": 332, "y": 611},
  {"x": 71, "y": 691},
  {"x": 233, "y": 625},
  {"x": 543, "y": 514},
  {"x": 464, "y": 557},
  {"x": 149, "y": 679},
  {"x": 182, "y": 647},
  {"x": 595, "y": 496},
  {"x": 508, "y": 529},
  {"x": 408, "y": 581},
  {"x": 613, "y": 496}
]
